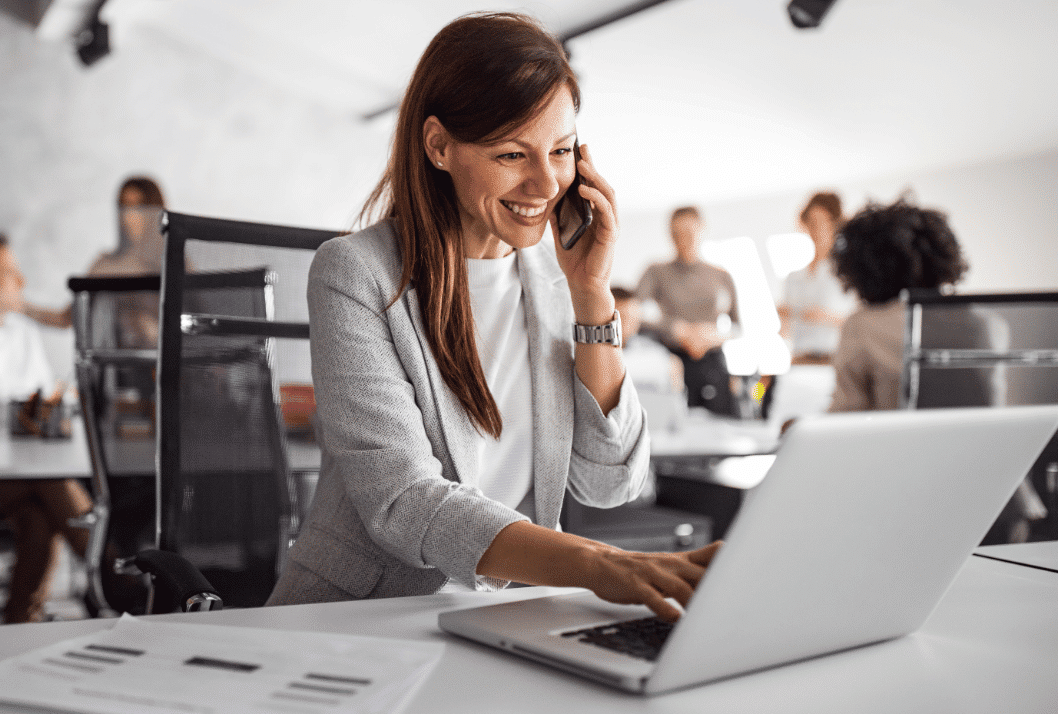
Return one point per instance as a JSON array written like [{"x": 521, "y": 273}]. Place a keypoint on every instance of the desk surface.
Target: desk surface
[
  {"x": 989, "y": 647},
  {"x": 30, "y": 457},
  {"x": 1035, "y": 555},
  {"x": 703, "y": 434}
]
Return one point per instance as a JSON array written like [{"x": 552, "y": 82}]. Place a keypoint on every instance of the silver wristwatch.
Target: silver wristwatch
[{"x": 608, "y": 334}]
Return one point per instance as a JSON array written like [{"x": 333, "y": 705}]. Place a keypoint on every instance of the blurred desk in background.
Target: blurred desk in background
[
  {"x": 24, "y": 457},
  {"x": 704, "y": 463},
  {"x": 33, "y": 457}
]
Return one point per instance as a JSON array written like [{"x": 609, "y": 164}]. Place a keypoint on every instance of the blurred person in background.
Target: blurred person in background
[
  {"x": 881, "y": 251},
  {"x": 37, "y": 510},
  {"x": 699, "y": 312},
  {"x": 815, "y": 303},
  {"x": 139, "y": 252}
]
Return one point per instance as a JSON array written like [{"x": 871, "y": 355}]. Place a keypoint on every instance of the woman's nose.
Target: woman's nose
[{"x": 545, "y": 180}]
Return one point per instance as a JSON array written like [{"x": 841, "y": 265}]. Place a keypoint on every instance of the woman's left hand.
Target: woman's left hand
[{"x": 587, "y": 264}]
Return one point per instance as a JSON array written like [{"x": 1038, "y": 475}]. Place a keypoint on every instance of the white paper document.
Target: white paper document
[{"x": 143, "y": 667}]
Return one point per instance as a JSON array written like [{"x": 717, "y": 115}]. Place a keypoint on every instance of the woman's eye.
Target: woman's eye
[
  {"x": 510, "y": 156},
  {"x": 563, "y": 152}
]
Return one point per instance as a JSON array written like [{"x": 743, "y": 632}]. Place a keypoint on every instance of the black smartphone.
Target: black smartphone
[{"x": 574, "y": 213}]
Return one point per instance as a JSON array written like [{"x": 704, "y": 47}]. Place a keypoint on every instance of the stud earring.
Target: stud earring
[{"x": 440, "y": 164}]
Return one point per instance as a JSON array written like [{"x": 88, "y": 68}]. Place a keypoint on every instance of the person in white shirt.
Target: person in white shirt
[
  {"x": 468, "y": 377},
  {"x": 37, "y": 510},
  {"x": 815, "y": 303}
]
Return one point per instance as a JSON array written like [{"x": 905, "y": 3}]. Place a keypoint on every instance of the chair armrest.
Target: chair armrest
[{"x": 178, "y": 584}]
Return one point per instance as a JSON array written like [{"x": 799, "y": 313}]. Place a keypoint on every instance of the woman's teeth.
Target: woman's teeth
[{"x": 524, "y": 210}]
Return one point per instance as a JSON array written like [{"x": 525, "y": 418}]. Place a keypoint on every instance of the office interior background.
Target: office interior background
[{"x": 279, "y": 111}]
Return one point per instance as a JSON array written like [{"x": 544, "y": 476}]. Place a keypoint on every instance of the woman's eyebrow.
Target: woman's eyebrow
[{"x": 526, "y": 144}]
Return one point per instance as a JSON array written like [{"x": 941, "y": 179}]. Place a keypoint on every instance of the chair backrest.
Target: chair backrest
[
  {"x": 980, "y": 350},
  {"x": 227, "y": 500},
  {"x": 115, "y": 361},
  {"x": 996, "y": 349}
]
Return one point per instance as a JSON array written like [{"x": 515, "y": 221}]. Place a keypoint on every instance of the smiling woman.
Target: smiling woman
[{"x": 455, "y": 408}]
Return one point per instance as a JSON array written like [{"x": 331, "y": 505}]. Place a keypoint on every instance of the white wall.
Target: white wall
[
  {"x": 1004, "y": 212},
  {"x": 219, "y": 141}
]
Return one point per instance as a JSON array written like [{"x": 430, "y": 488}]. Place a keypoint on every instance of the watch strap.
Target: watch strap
[{"x": 608, "y": 334}]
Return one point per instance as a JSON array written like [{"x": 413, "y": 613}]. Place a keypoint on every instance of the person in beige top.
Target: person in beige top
[
  {"x": 139, "y": 252},
  {"x": 699, "y": 312},
  {"x": 881, "y": 251}
]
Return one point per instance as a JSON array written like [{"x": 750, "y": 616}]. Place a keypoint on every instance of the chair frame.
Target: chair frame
[{"x": 86, "y": 358}]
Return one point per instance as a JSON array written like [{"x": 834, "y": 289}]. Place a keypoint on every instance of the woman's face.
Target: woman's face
[
  {"x": 686, "y": 230},
  {"x": 820, "y": 226},
  {"x": 508, "y": 190},
  {"x": 133, "y": 216}
]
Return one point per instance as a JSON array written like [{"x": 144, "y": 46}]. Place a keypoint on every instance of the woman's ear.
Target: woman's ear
[{"x": 436, "y": 140}]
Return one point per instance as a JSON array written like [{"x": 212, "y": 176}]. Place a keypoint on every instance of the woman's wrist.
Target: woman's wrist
[{"x": 593, "y": 309}]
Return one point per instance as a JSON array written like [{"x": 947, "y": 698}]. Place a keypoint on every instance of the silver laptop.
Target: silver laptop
[{"x": 853, "y": 537}]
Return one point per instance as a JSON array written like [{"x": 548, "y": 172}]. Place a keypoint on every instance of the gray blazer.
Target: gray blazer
[{"x": 397, "y": 510}]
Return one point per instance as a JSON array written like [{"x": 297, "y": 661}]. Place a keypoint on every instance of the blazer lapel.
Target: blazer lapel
[
  {"x": 459, "y": 433},
  {"x": 548, "y": 319}
]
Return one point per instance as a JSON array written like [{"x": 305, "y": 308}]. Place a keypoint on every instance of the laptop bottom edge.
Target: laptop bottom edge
[{"x": 634, "y": 685}]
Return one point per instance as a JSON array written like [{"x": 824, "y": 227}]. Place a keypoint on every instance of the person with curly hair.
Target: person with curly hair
[{"x": 881, "y": 251}]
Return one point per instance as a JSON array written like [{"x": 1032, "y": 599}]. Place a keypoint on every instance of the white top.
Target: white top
[
  {"x": 807, "y": 288},
  {"x": 505, "y": 467},
  {"x": 23, "y": 365}
]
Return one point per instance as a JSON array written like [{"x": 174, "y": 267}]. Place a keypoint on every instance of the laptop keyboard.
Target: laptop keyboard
[{"x": 637, "y": 638}]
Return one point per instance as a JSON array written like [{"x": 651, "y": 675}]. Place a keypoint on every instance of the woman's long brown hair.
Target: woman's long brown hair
[{"x": 482, "y": 76}]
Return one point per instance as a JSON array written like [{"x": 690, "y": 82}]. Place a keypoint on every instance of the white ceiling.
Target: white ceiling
[{"x": 700, "y": 100}]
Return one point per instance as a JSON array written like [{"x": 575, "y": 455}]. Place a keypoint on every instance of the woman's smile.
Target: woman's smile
[{"x": 524, "y": 210}]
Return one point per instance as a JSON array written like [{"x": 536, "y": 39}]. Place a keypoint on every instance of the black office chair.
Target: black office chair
[
  {"x": 228, "y": 501},
  {"x": 116, "y": 328},
  {"x": 997, "y": 350}
]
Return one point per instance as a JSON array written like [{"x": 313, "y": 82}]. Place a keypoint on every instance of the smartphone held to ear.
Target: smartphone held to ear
[{"x": 574, "y": 212}]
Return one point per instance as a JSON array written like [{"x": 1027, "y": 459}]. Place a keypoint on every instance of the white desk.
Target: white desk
[
  {"x": 26, "y": 457},
  {"x": 989, "y": 647},
  {"x": 702, "y": 434},
  {"x": 1035, "y": 555}
]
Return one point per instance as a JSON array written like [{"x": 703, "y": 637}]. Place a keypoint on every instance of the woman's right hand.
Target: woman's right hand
[
  {"x": 632, "y": 578},
  {"x": 534, "y": 555}
]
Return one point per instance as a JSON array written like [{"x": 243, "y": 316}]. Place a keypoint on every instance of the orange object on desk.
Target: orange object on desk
[{"x": 297, "y": 402}]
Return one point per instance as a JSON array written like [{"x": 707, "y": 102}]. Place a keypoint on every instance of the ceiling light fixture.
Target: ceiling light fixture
[
  {"x": 805, "y": 14},
  {"x": 93, "y": 40},
  {"x": 629, "y": 9}
]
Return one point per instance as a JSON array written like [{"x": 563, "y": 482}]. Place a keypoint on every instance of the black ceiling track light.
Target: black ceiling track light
[
  {"x": 807, "y": 14},
  {"x": 563, "y": 37},
  {"x": 93, "y": 39}
]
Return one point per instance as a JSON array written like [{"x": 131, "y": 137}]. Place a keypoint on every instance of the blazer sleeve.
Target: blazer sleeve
[
  {"x": 610, "y": 461},
  {"x": 373, "y": 430}
]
